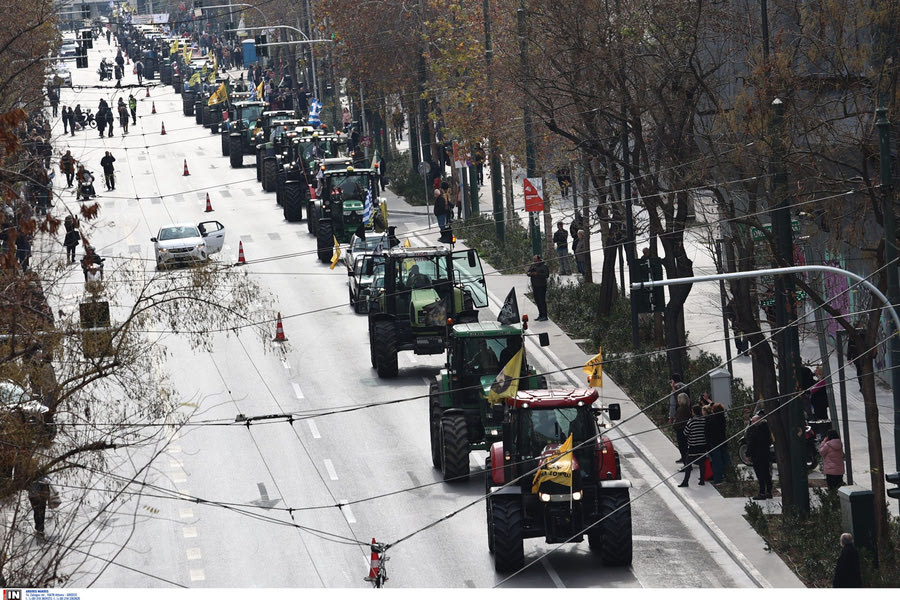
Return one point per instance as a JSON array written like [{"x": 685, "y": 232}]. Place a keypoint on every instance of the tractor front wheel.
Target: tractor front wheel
[
  {"x": 506, "y": 523},
  {"x": 225, "y": 142},
  {"x": 454, "y": 448},
  {"x": 292, "y": 202},
  {"x": 325, "y": 241},
  {"x": 235, "y": 152},
  {"x": 269, "y": 173},
  {"x": 385, "y": 346},
  {"x": 312, "y": 217},
  {"x": 614, "y": 527},
  {"x": 434, "y": 421}
]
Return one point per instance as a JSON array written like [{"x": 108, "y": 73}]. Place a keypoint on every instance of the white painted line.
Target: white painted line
[
  {"x": 286, "y": 364},
  {"x": 174, "y": 449},
  {"x": 179, "y": 478},
  {"x": 197, "y": 575},
  {"x": 189, "y": 532},
  {"x": 313, "y": 429},
  {"x": 348, "y": 514},
  {"x": 186, "y": 513},
  {"x": 329, "y": 466},
  {"x": 174, "y": 463},
  {"x": 193, "y": 554},
  {"x": 554, "y": 576},
  {"x": 297, "y": 391}
]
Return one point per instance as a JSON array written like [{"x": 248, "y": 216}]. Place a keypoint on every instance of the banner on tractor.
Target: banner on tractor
[
  {"x": 594, "y": 369},
  {"x": 506, "y": 385},
  {"x": 557, "y": 468}
]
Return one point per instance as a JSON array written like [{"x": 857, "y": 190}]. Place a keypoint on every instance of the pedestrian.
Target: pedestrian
[
  {"x": 67, "y": 167},
  {"x": 108, "y": 170},
  {"x": 716, "y": 438},
  {"x": 65, "y": 121},
  {"x": 108, "y": 37},
  {"x": 832, "y": 451},
  {"x": 847, "y": 572},
  {"x": 123, "y": 115},
  {"x": 539, "y": 273},
  {"x": 581, "y": 251},
  {"x": 741, "y": 343},
  {"x": 53, "y": 97},
  {"x": 705, "y": 400},
  {"x": 440, "y": 208},
  {"x": 69, "y": 115},
  {"x": 139, "y": 71},
  {"x": 397, "y": 122},
  {"x": 564, "y": 181},
  {"x": 101, "y": 116},
  {"x": 695, "y": 432},
  {"x": 120, "y": 60},
  {"x": 677, "y": 386},
  {"x": 72, "y": 237},
  {"x": 561, "y": 241},
  {"x": 818, "y": 395},
  {"x": 132, "y": 106},
  {"x": 346, "y": 118},
  {"x": 110, "y": 121},
  {"x": 759, "y": 439},
  {"x": 91, "y": 263},
  {"x": 119, "y": 72},
  {"x": 682, "y": 414},
  {"x": 38, "y": 496}
]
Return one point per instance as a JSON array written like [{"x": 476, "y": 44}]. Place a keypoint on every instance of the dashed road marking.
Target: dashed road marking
[
  {"x": 297, "y": 391},
  {"x": 554, "y": 576},
  {"x": 313, "y": 429},
  {"x": 197, "y": 575},
  {"x": 329, "y": 466},
  {"x": 186, "y": 513},
  {"x": 189, "y": 532},
  {"x": 179, "y": 478},
  {"x": 285, "y": 363},
  {"x": 193, "y": 554},
  {"x": 348, "y": 514},
  {"x": 174, "y": 463}
]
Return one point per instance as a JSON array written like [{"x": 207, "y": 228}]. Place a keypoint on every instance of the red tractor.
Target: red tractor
[{"x": 529, "y": 493}]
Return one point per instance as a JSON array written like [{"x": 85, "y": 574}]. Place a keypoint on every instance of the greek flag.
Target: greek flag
[
  {"x": 315, "y": 107},
  {"x": 368, "y": 209}
]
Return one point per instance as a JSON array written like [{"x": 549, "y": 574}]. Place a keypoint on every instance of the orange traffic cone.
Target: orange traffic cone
[
  {"x": 148, "y": 93},
  {"x": 186, "y": 172},
  {"x": 279, "y": 331},
  {"x": 209, "y": 207},
  {"x": 153, "y": 111},
  {"x": 373, "y": 563},
  {"x": 163, "y": 132},
  {"x": 241, "y": 259}
]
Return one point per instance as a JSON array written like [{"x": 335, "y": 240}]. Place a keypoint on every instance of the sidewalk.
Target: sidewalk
[{"x": 720, "y": 516}]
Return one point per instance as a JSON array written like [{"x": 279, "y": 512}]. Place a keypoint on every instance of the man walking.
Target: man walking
[
  {"x": 759, "y": 438},
  {"x": 561, "y": 241},
  {"x": 108, "y": 170},
  {"x": 123, "y": 115},
  {"x": 539, "y": 273},
  {"x": 132, "y": 106},
  {"x": 67, "y": 167}
]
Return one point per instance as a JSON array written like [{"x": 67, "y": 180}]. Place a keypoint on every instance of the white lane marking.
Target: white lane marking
[
  {"x": 198, "y": 575},
  {"x": 186, "y": 513},
  {"x": 179, "y": 478},
  {"x": 347, "y": 512},
  {"x": 313, "y": 429},
  {"x": 297, "y": 391},
  {"x": 329, "y": 466},
  {"x": 174, "y": 463},
  {"x": 174, "y": 449},
  {"x": 189, "y": 532},
  {"x": 552, "y": 573},
  {"x": 286, "y": 364},
  {"x": 193, "y": 554}
]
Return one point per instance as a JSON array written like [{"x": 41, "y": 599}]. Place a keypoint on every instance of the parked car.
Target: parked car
[
  {"x": 68, "y": 49},
  {"x": 179, "y": 244},
  {"x": 19, "y": 409},
  {"x": 59, "y": 75}
]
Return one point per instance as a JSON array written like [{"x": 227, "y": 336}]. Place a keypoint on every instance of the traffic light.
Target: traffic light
[
  {"x": 85, "y": 11},
  {"x": 261, "y": 49},
  {"x": 893, "y": 478},
  {"x": 649, "y": 300}
]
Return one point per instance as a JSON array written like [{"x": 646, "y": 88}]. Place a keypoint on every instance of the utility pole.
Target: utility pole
[
  {"x": 493, "y": 150},
  {"x": 530, "y": 164},
  {"x": 786, "y": 315},
  {"x": 890, "y": 259}
]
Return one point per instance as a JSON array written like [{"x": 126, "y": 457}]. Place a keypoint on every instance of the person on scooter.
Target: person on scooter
[
  {"x": 85, "y": 184},
  {"x": 91, "y": 263},
  {"x": 108, "y": 170}
]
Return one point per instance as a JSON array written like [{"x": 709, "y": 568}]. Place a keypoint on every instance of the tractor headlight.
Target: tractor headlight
[
  {"x": 494, "y": 432},
  {"x": 544, "y": 497},
  {"x": 576, "y": 495}
]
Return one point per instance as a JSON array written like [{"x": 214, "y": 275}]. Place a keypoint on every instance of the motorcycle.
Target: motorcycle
[
  {"x": 87, "y": 120},
  {"x": 105, "y": 71},
  {"x": 85, "y": 189},
  {"x": 813, "y": 434}
]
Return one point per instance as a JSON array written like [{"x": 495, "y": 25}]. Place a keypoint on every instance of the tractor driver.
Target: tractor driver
[
  {"x": 417, "y": 280},
  {"x": 481, "y": 358}
]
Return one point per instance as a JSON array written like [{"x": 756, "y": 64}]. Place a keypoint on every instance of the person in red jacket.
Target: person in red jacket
[{"x": 832, "y": 452}]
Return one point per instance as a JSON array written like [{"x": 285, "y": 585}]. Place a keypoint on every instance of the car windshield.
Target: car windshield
[
  {"x": 11, "y": 394},
  {"x": 177, "y": 233}
]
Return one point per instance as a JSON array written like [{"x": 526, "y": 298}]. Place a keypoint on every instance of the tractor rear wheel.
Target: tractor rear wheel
[
  {"x": 225, "y": 142},
  {"x": 454, "y": 448},
  {"x": 434, "y": 422},
  {"x": 259, "y": 161},
  {"x": 198, "y": 113},
  {"x": 292, "y": 200},
  {"x": 235, "y": 152},
  {"x": 614, "y": 528},
  {"x": 372, "y": 344},
  {"x": 325, "y": 241},
  {"x": 312, "y": 217},
  {"x": 506, "y": 523},
  {"x": 268, "y": 173},
  {"x": 385, "y": 347}
]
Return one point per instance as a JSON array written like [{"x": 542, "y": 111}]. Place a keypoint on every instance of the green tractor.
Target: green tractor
[
  {"x": 337, "y": 209},
  {"x": 263, "y": 146},
  {"x": 238, "y": 130},
  {"x": 556, "y": 475},
  {"x": 297, "y": 166},
  {"x": 423, "y": 288},
  {"x": 461, "y": 416}
]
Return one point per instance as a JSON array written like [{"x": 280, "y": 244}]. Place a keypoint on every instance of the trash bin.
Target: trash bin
[
  {"x": 720, "y": 384},
  {"x": 858, "y": 515}
]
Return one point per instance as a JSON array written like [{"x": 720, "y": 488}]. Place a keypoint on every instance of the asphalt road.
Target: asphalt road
[{"x": 347, "y": 476}]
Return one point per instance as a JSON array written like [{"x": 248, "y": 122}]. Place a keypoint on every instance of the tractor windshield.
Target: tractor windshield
[
  {"x": 251, "y": 113},
  {"x": 353, "y": 187},
  {"x": 468, "y": 273},
  {"x": 487, "y": 356},
  {"x": 421, "y": 272},
  {"x": 541, "y": 427},
  {"x": 325, "y": 149}
]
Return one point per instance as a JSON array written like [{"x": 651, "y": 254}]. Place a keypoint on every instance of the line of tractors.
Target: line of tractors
[{"x": 426, "y": 300}]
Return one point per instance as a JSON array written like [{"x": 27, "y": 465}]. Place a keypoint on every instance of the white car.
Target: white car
[
  {"x": 186, "y": 243},
  {"x": 60, "y": 75},
  {"x": 68, "y": 49}
]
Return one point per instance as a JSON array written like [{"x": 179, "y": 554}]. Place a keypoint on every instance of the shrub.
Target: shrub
[{"x": 404, "y": 180}]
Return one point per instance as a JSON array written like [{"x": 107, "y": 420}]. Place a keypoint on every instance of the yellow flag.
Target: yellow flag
[
  {"x": 194, "y": 80},
  {"x": 212, "y": 76},
  {"x": 259, "y": 90},
  {"x": 594, "y": 369},
  {"x": 219, "y": 96},
  {"x": 383, "y": 208},
  {"x": 173, "y": 49},
  {"x": 506, "y": 385},
  {"x": 336, "y": 255},
  {"x": 187, "y": 55},
  {"x": 406, "y": 243},
  {"x": 557, "y": 468}
]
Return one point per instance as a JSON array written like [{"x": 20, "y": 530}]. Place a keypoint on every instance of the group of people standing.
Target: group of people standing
[
  {"x": 700, "y": 430},
  {"x": 580, "y": 245}
]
